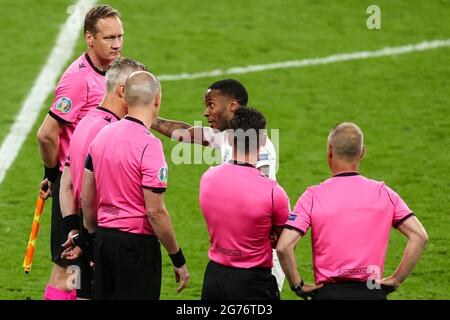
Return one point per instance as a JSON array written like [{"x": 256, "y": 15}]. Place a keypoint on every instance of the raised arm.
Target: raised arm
[{"x": 180, "y": 131}]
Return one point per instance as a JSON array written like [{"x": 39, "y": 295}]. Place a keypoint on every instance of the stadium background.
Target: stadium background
[{"x": 400, "y": 102}]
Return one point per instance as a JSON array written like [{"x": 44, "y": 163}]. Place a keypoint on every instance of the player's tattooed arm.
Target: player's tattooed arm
[
  {"x": 168, "y": 127},
  {"x": 178, "y": 130}
]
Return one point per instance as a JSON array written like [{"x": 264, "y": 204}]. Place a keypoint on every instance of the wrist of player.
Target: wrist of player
[
  {"x": 395, "y": 281},
  {"x": 85, "y": 241},
  {"x": 51, "y": 173},
  {"x": 178, "y": 259},
  {"x": 298, "y": 287},
  {"x": 71, "y": 222}
]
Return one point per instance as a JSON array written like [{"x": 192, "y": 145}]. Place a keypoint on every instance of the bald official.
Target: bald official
[
  {"x": 127, "y": 172},
  {"x": 141, "y": 88},
  {"x": 347, "y": 142},
  {"x": 351, "y": 216}
]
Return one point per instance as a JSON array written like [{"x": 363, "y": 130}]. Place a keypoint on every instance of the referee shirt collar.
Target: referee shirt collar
[
  {"x": 109, "y": 111},
  {"x": 347, "y": 174},
  {"x": 239, "y": 163},
  {"x": 134, "y": 120},
  {"x": 93, "y": 66}
]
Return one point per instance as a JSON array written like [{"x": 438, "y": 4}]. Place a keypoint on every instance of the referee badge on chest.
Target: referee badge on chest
[{"x": 163, "y": 175}]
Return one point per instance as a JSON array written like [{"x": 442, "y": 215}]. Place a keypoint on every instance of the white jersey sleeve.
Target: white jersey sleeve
[
  {"x": 215, "y": 138},
  {"x": 268, "y": 157},
  {"x": 267, "y": 154}
]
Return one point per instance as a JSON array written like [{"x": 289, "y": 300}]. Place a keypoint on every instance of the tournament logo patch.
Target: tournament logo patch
[
  {"x": 163, "y": 175},
  {"x": 292, "y": 217},
  {"x": 64, "y": 104}
]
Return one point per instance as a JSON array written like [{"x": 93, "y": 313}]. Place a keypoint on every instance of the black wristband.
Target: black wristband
[
  {"x": 298, "y": 286},
  {"x": 71, "y": 222},
  {"x": 51, "y": 173},
  {"x": 178, "y": 259}
]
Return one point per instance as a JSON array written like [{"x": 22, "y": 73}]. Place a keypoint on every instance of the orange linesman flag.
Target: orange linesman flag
[{"x": 34, "y": 233}]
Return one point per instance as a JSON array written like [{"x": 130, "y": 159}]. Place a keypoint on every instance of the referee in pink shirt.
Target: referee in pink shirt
[
  {"x": 80, "y": 89},
  {"x": 112, "y": 108},
  {"x": 350, "y": 217},
  {"x": 123, "y": 200},
  {"x": 243, "y": 209}
]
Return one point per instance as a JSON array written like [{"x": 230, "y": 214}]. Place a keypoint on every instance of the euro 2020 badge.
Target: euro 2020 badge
[
  {"x": 63, "y": 104},
  {"x": 164, "y": 175}
]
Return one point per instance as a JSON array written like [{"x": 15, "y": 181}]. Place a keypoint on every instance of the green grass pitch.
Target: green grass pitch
[{"x": 400, "y": 102}]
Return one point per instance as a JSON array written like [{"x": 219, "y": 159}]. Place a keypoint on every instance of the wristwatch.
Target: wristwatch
[{"x": 298, "y": 286}]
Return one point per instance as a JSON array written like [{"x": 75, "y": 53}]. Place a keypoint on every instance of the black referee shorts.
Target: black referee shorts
[
  {"x": 127, "y": 265},
  {"x": 86, "y": 284},
  {"x": 348, "y": 290},
  {"x": 57, "y": 236},
  {"x": 227, "y": 283}
]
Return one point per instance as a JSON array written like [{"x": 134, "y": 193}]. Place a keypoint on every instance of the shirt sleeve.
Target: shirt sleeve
[
  {"x": 300, "y": 218},
  {"x": 215, "y": 139},
  {"x": 280, "y": 204},
  {"x": 88, "y": 164},
  {"x": 401, "y": 210},
  {"x": 70, "y": 96},
  {"x": 155, "y": 173}
]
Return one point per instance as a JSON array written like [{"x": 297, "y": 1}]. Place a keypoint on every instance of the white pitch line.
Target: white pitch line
[
  {"x": 389, "y": 51},
  {"x": 64, "y": 47},
  {"x": 43, "y": 85}
]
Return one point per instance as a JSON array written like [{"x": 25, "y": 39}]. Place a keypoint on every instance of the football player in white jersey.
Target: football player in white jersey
[{"x": 221, "y": 100}]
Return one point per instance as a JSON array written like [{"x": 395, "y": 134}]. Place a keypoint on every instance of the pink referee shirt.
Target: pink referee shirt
[
  {"x": 80, "y": 89},
  {"x": 125, "y": 158},
  {"x": 350, "y": 217},
  {"x": 86, "y": 130},
  {"x": 240, "y": 206}
]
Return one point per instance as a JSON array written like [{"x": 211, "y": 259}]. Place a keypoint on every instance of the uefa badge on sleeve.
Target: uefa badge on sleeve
[
  {"x": 163, "y": 175},
  {"x": 63, "y": 104}
]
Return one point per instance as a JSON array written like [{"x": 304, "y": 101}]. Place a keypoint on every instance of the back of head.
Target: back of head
[
  {"x": 97, "y": 13},
  {"x": 248, "y": 128},
  {"x": 141, "y": 88},
  {"x": 346, "y": 141},
  {"x": 119, "y": 71},
  {"x": 233, "y": 89}
]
